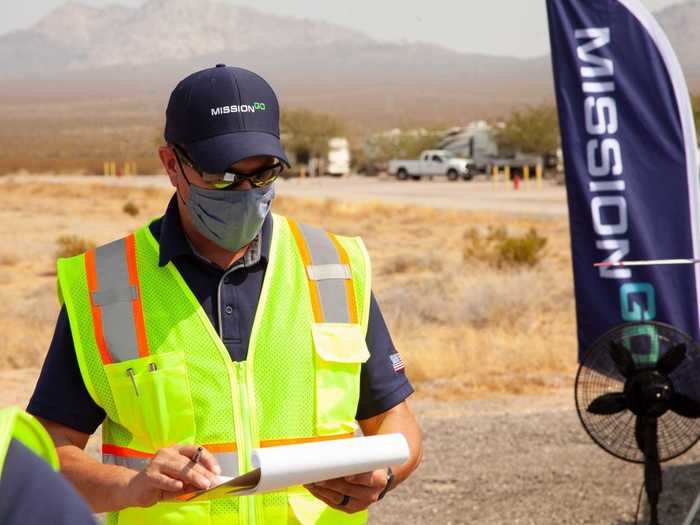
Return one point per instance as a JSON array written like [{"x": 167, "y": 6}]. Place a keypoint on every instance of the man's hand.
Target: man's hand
[
  {"x": 363, "y": 490},
  {"x": 171, "y": 473}
]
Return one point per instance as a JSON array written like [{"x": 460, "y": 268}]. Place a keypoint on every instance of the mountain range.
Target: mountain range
[
  {"x": 114, "y": 67},
  {"x": 120, "y": 51},
  {"x": 80, "y": 51}
]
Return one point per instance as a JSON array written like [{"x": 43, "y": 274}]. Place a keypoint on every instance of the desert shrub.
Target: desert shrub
[
  {"x": 522, "y": 251},
  {"x": 70, "y": 245},
  {"x": 499, "y": 249},
  {"x": 484, "y": 297},
  {"x": 130, "y": 209},
  {"x": 481, "y": 247},
  {"x": 404, "y": 263}
]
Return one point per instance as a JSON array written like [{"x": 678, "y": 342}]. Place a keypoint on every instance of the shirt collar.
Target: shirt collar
[{"x": 174, "y": 243}]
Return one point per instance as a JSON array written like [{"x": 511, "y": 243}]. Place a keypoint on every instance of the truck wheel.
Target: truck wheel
[
  {"x": 452, "y": 175},
  {"x": 402, "y": 174}
]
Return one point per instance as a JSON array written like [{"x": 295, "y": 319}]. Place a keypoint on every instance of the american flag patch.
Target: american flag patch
[{"x": 397, "y": 362}]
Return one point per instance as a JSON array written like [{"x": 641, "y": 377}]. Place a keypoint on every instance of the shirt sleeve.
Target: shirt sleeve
[
  {"x": 31, "y": 492},
  {"x": 383, "y": 381},
  {"x": 60, "y": 394}
]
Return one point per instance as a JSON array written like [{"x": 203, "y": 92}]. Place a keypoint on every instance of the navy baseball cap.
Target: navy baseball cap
[{"x": 222, "y": 115}]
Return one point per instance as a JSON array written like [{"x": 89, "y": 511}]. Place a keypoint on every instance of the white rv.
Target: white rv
[{"x": 338, "y": 161}]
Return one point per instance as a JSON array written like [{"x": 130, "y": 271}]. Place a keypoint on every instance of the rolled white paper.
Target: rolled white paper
[
  {"x": 276, "y": 468},
  {"x": 290, "y": 465}
]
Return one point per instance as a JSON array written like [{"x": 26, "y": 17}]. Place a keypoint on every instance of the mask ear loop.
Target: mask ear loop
[{"x": 182, "y": 171}]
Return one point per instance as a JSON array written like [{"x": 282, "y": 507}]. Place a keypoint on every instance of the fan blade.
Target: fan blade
[
  {"x": 671, "y": 359},
  {"x": 685, "y": 406},
  {"x": 608, "y": 404},
  {"x": 622, "y": 358}
]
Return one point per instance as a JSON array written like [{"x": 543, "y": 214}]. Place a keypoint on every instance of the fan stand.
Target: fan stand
[
  {"x": 693, "y": 511},
  {"x": 648, "y": 442}
]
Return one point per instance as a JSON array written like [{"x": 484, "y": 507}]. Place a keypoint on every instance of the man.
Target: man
[
  {"x": 30, "y": 489},
  {"x": 220, "y": 326}
]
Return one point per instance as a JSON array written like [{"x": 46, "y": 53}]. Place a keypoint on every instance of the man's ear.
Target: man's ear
[{"x": 169, "y": 161}]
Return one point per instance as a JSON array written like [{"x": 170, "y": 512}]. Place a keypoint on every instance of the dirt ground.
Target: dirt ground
[{"x": 526, "y": 460}]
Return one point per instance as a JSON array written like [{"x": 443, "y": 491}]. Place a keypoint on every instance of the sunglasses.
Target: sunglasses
[{"x": 227, "y": 179}]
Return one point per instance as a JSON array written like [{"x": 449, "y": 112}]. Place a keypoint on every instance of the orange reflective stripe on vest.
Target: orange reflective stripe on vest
[
  {"x": 225, "y": 453},
  {"x": 115, "y": 300},
  {"x": 349, "y": 289}
]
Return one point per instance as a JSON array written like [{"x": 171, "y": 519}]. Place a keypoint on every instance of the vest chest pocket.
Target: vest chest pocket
[
  {"x": 153, "y": 400},
  {"x": 340, "y": 351}
]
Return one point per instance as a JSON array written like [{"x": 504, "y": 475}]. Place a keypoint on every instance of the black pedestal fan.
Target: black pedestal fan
[{"x": 638, "y": 397}]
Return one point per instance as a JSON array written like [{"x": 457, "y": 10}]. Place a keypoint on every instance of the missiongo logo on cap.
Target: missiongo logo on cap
[{"x": 242, "y": 108}]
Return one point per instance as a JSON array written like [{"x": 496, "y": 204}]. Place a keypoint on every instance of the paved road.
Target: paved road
[{"x": 548, "y": 201}]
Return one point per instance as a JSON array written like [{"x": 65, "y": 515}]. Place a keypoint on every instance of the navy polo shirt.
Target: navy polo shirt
[
  {"x": 229, "y": 298},
  {"x": 31, "y": 492}
]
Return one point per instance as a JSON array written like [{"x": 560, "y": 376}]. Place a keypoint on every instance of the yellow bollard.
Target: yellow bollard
[
  {"x": 526, "y": 175},
  {"x": 494, "y": 175},
  {"x": 506, "y": 172},
  {"x": 105, "y": 168},
  {"x": 113, "y": 168},
  {"x": 538, "y": 176},
  {"x": 302, "y": 172}
]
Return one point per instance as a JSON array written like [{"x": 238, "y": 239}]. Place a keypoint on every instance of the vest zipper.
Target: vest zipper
[
  {"x": 246, "y": 445},
  {"x": 241, "y": 417}
]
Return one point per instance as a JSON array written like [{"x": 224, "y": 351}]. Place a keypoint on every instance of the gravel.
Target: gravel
[{"x": 525, "y": 460}]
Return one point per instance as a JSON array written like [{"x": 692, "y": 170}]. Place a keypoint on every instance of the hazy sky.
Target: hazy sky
[{"x": 497, "y": 27}]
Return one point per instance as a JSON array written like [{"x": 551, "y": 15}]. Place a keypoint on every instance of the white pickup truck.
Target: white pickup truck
[{"x": 433, "y": 163}]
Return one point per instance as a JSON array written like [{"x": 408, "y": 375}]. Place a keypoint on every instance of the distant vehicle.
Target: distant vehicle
[
  {"x": 338, "y": 161},
  {"x": 477, "y": 141},
  {"x": 516, "y": 163},
  {"x": 433, "y": 163}
]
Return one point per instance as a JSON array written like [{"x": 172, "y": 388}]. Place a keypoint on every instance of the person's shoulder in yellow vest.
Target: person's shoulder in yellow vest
[
  {"x": 151, "y": 359},
  {"x": 31, "y": 489}
]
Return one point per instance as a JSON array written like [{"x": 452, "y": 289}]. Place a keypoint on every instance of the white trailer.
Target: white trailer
[{"x": 338, "y": 161}]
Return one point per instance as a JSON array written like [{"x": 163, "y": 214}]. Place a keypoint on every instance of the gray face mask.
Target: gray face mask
[{"x": 229, "y": 218}]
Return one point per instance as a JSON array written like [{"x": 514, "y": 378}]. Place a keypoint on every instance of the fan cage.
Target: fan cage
[{"x": 598, "y": 375}]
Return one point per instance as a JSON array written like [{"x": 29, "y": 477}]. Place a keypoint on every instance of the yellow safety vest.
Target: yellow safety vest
[
  {"x": 17, "y": 424},
  {"x": 150, "y": 357}
]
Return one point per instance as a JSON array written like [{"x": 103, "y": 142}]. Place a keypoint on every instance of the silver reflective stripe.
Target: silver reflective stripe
[
  {"x": 228, "y": 461},
  {"x": 332, "y": 293},
  {"x": 103, "y": 298},
  {"x": 322, "y": 272},
  {"x": 118, "y": 325},
  {"x": 124, "y": 461}
]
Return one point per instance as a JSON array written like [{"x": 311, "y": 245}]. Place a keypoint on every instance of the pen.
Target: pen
[
  {"x": 130, "y": 373},
  {"x": 197, "y": 455}
]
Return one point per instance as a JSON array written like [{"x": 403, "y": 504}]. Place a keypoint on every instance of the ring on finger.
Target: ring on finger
[{"x": 344, "y": 501}]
